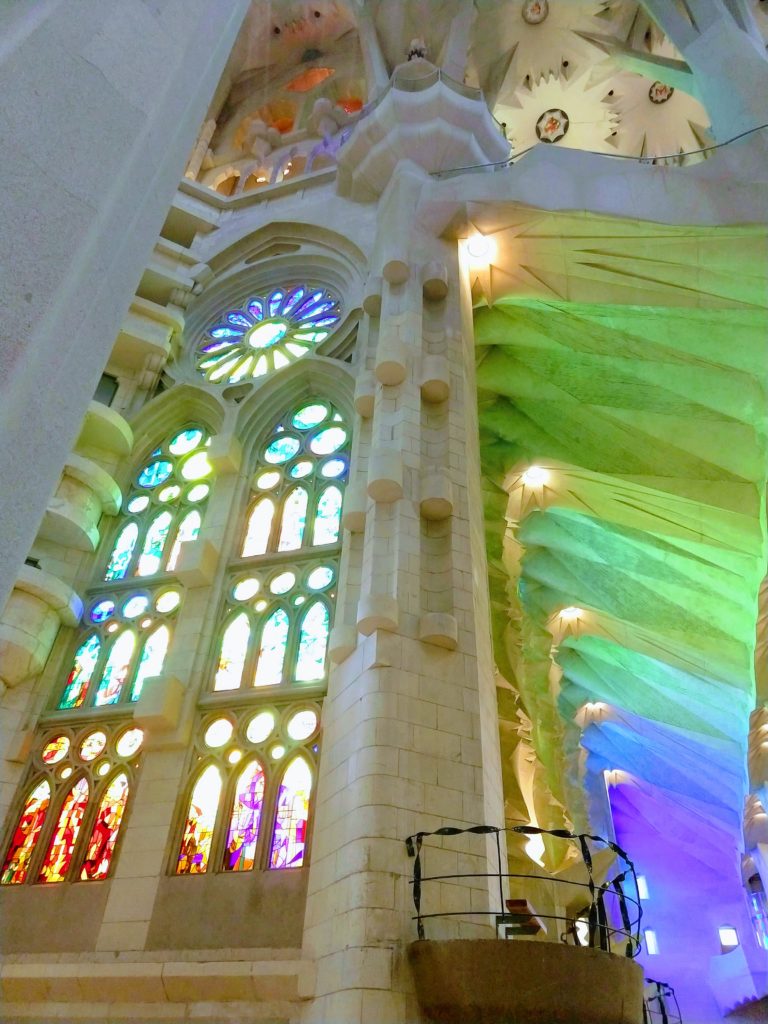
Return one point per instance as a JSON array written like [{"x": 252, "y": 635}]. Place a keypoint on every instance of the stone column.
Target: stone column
[
  {"x": 82, "y": 208},
  {"x": 410, "y": 723}
]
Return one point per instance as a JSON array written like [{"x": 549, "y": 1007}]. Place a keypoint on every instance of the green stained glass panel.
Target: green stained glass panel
[
  {"x": 122, "y": 552},
  {"x": 152, "y": 658},
  {"x": 154, "y": 542},
  {"x": 83, "y": 665},
  {"x": 310, "y": 416},
  {"x": 281, "y": 449}
]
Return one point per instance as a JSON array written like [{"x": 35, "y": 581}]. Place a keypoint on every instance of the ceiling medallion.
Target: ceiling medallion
[
  {"x": 552, "y": 126},
  {"x": 659, "y": 92},
  {"x": 535, "y": 11}
]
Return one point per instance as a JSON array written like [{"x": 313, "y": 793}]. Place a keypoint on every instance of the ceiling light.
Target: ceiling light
[
  {"x": 479, "y": 248},
  {"x": 535, "y": 476},
  {"x": 571, "y": 614}
]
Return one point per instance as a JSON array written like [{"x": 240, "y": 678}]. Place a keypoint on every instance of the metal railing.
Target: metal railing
[
  {"x": 609, "y": 912},
  {"x": 660, "y": 1004}
]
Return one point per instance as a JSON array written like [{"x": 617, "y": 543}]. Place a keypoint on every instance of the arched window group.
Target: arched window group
[
  {"x": 73, "y": 806},
  {"x": 278, "y": 614},
  {"x": 248, "y": 802}
]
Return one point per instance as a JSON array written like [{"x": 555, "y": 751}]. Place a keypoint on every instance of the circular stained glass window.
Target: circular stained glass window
[
  {"x": 301, "y": 469},
  {"x": 267, "y": 333},
  {"x": 196, "y": 467},
  {"x": 260, "y": 727},
  {"x": 328, "y": 441},
  {"x": 266, "y": 481},
  {"x": 185, "y": 442},
  {"x": 55, "y": 750},
  {"x": 277, "y": 751},
  {"x": 198, "y": 492},
  {"x": 310, "y": 416},
  {"x": 302, "y": 725},
  {"x": 282, "y": 584},
  {"x": 320, "y": 577},
  {"x": 218, "y": 733},
  {"x": 103, "y": 768},
  {"x": 167, "y": 601},
  {"x": 135, "y": 606},
  {"x": 137, "y": 504},
  {"x": 93, "y": 745},
  {"x": 234, "y": 756},
  {"x": 129, "y": 742},
  {"x": 282, "y": 449},
  {"x": 245, "y": 589},
  {"x": 333, "y": 467},
  {"x": 102, "y": 611},
  {"x": 155, "y": 473},
  {"x": 169, "y": 493}
]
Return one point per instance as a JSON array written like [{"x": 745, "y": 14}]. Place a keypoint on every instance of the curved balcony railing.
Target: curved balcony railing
[
  {"x": 609, "y": 917},
  {"x": 660, "y": 1004}
]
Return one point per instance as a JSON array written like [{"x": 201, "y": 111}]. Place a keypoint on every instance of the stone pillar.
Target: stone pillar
[
  {"x": 410, "y": 722},
  {"x": 82, "y": 223}
]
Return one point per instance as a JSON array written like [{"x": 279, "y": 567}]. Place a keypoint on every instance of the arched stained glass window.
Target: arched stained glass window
[
  {"x": 272, "y": 649},
  {"x": 189, "y": 529},
  {"x": 328, "y": 516},
  {"x": 294, "y": 520},
  {"x": 26, "y": 834},
  {"x": 267, "y": 333},
  {"x": 103, "y": 837},
  {"x": 313, "y": 643},
  {"x": 133, "y": 634},
  {"x": 234, "y": 647},
  {"x": 243, "y": 831},
  {"x": 62, "y": 845},
  {"x": 259, "y": 528},
  {"x": 169, "y": 487},
  {"x": 122, "y": 552},
  {"x": 289, "y": 837},
  {"x": 200, "y": 821},
  {"x": 116, "y": 669},
  {"x": 80, "y": 676},
  {"x": 152, "y": 658},
  {"x": 154, "y": 542}
]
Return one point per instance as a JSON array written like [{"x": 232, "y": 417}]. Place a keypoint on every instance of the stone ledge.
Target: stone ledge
[{"x": 268, "y": 981}]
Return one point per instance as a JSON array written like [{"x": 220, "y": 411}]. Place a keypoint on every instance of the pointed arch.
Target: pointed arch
[
  {"x": 81, "y": 673},
  {"x": 62, "y": 845},
  {"x": 109, "y": 817},
  {"x": 259, "y": 528},
  {"x": 122, "y": 552},
  {"x": 273, "y": 645},
  {"x": 289, "y": 834},
  {"x": 232, "y": 653},
  {"x": 151, "y": 556},
  {"x": 245, "y": 818},
  {"x": 26, "y": 834},
  {"x": 327, "y": 516},
  {"x": 313, "y": 642},
  {"x": 189, "y": 530},
  {"x": 199, "y": 824},
  {"x": 116, "y": 669},
  {"x": 293, "y": 520},
  {"x": 152, "y": 658}
]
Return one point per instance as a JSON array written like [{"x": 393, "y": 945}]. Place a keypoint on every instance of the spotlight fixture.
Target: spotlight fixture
[{"x": 571, "y": 614}]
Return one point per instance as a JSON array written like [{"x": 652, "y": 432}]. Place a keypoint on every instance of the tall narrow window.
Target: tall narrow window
[
  {"x": 101, "y": 844},
  {"x": 26, "y": 834},
  {"x": 198, "y": 828},
  {"x": 62, "y": 845},
  {"x": 291, "y": 817},
  {"x": 246, "y": 816}
]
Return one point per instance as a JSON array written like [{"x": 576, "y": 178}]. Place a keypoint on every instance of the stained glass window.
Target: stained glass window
[
  {"x": 198, "y": 828},
  {"x": 244, "y": 822},
  {"x": 109, "y": 815},
  {"x": 313, "y": 641},
  {"x": 246, "y": 802},
  {"x": 327, "y": 517},
  {"x": 267, "y": 333},
  {"x": 259, "y": 527},
  {"x": 294, "y": 520},
  {"x": 62, "y": 844},
  {"x": 234, "y": 647},
  {"x": 291, "y": 816},
  {"x": 83, "y": 795},
  {"x": 26, "y": 834},
  {"x": 166, "y": 485},
  {"x": 272, "y": 647},
  {"x": 130, "y": 644}
]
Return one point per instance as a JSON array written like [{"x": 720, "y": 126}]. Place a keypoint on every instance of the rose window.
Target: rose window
[{"x": 267, "y": 334}]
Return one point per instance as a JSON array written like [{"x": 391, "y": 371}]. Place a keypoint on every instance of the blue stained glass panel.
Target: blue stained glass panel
[
  {"x": 102, "y": 611},
  {"x": 222, "y": 331},
  {"x": 294, "y": 520},
  {"x": 122, "y": 552},
  {"x": 256, "y": 308},
  {"x": 327, "y": 517},
  {"x": 281, "y": 449},
  {"x": 274, "y": 301},
  {"x": 292, "y": 300},
  {"x": 239, "y": 320},
  {"x": 155, "y": 473}
]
